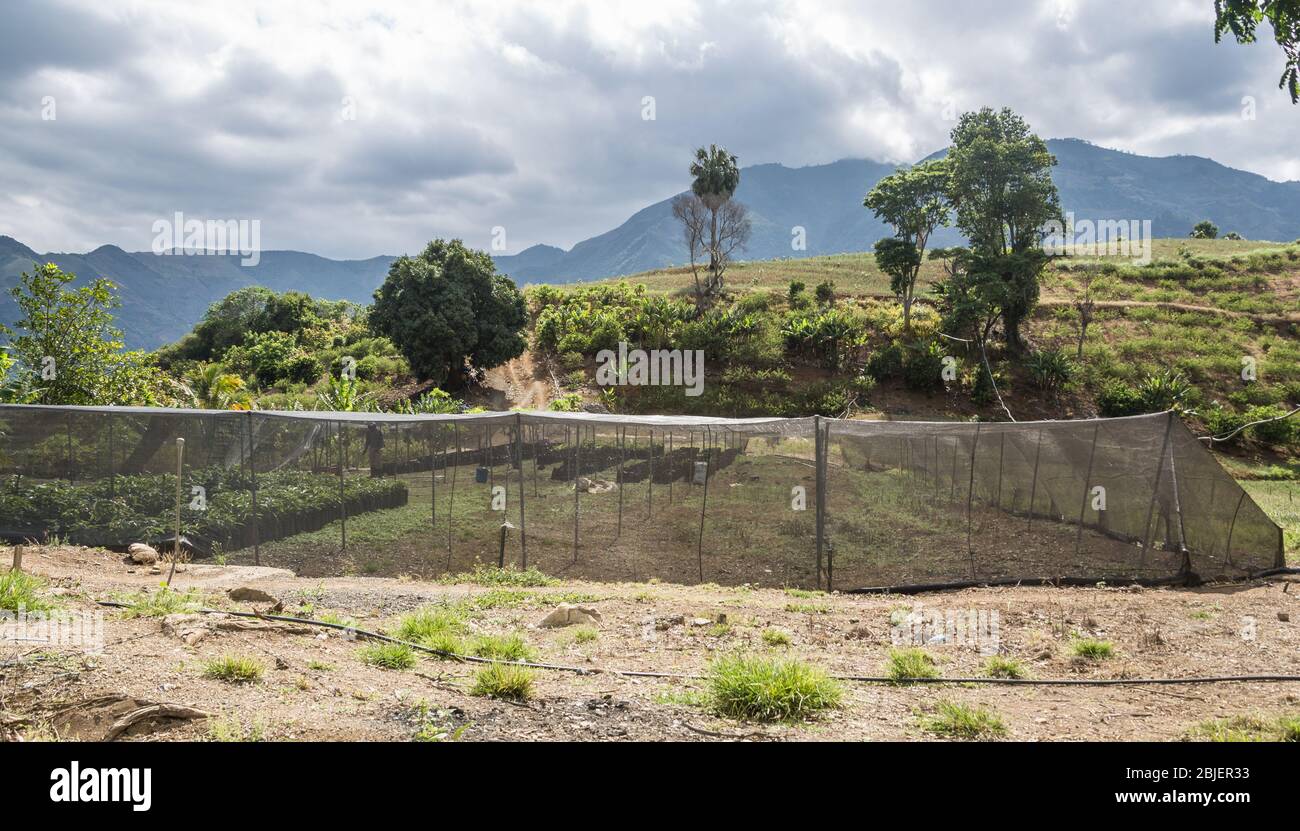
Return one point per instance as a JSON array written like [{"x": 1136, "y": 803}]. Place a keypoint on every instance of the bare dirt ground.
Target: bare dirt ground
[
  {"x": 316, "y": 688},
  {"x": 522, "y": 381}
]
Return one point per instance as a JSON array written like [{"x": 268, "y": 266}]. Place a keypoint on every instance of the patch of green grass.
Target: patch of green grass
[
  {"x": 1281, "y": 501},
  {"x": 961, "y": 722},
  {"x": 484, "y": 575},
  {"x": 805, "y": 594},
  {"x": 999, "y": 666},
  {"x": 807, "y": 608},
  {"x": 228, "y": 728},
  {"x": 776, "y": 637},
  {"x": 584, "y": 634},
  {"x": 509, "y": 681},
  {"x": 684, "y": 698},
  {"x": 501, "y": 599},
  {"x": 1091, "y": 649},
  {"x": 320, "y": 666},
  {"x": 510, "y": 647},
  {"x": 755, "y": 688},
  {"x": 160, "y": 603},
  {"x": 437, "y": 627},
  {"x": 1247, "y": 729},
  {"x": 397, "y": 656},
  {"x": 20, "y": 590},
  {"x": 909, "y": 665},
  {"x": 235, "y": 669}
]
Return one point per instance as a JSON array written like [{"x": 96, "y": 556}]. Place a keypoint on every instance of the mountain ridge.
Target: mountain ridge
[{"x": 164, "y": 295}]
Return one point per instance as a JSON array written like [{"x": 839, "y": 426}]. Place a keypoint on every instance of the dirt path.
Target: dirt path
[
  {"x": 523, "y": 382},
  {"x": 315, "y": 686}
]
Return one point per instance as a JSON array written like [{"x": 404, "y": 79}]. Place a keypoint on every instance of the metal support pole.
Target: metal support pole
[
  {"x": 257, "y": 517},
  {"x": 1087, "y": 483},
  {"x": 180, "y": 473},
  {"x": 819, "y": 453},
  {"x": 704, "y": 504},
  {"x": 970, "y": 498},
  {"x": 451, "y": 490},
  {"x": 1033, "y": 486},
  {"x": 1155, "y": 491},
  {"x": 577, "y": 506},
  {"x": 1002, "y": 449},
  {"x": 1232, "y": 526},
  {"x": 622, "y": 455},
  {"x": 523, "y": 522},
  {"x": 343, "y": 498},
  {"x": 650, "y": 478}
]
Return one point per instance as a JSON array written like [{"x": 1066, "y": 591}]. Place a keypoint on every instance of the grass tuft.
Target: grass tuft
[
  {"x": 508, "y": 681},
  {"x": 21, "y": 591},
  {"x": 484, "y": 575},
  {"x": 776, "y": 637},
  {"x": 910, "y": 664},
  {"x": 437, "y": 627},
  {"x": 165, "y": 601},
  {"x": 754, "y": 688},
  {"x": 1092, "y": 649},
  {"x": 1247, "y": 729},
  {"x": 961, "y": 722},
  {"x": 235, "y": 669},
  {"x": 1002, "y": 667},
  {"x": 396, "y": 656},
  {"x": 510, "y": 647}
]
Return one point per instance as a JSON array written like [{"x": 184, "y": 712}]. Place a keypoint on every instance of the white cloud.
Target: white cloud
[{"x": 470, "y": 115}]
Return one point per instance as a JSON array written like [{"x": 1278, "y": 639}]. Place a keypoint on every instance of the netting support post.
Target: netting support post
[
  {"x": 523, "y": 526},
  {"x": 1155, "y": 491},
  {"x": 252, "y": 471},
  {"x": 1087, "y": 484},
  {"x": 970, "y": 499},
  {"x": 343, "y": 497},
  {"x": 819, "y": 500},
  {"x": 650, "y": 477},
  {"x": 1033, "y": 484},
  {"x": 704, "y": 502},
  {"x": 577, "y": 506},
  {"x": 622, "y": 436}
]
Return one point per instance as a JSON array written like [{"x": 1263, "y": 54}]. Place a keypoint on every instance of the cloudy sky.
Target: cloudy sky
[{"x": 355, "y": 129}]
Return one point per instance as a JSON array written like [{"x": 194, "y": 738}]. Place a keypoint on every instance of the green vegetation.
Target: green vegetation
[
  {"x": 234, "y": 669},
  {"x": 510, "y": 647},
  {"x": 484, "y": 575},
  {"x": 397, "y": 656},
  {"x": 161, "y": 602},
  {"x": 22, "y": 591},
  {"x": 910, "y": 664},
  {"x": 961, "y": 722},
  {"x": 509, "y": 681},
  {"x": 752, "y": 688},
  {"x": 999, "y": 666},
  {"x": 776, "y": 637},
  {"x": 446, "y": 307},
  {"x": 228, "y": 728},
  {"x": 436, "y": 627},
  {"x": 141, "y": 507},
  {"x": 1247, "y": 729},
  {"x": 1091, "y": 649}
]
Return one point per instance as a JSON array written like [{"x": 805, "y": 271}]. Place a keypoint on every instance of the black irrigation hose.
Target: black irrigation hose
[{"x": 868, "y": 679}]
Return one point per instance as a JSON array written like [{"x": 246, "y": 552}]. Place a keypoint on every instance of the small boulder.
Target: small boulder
[
  {"x": 248, "y": 594},
  {"x": 566, "y": 614},
  {"x": 142, "y": 554}
]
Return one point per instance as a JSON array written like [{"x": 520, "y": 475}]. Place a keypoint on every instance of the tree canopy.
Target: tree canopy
[
  {"x": 914, "y": 201},
  {"x": 447, "y": 310},
  {"x": 1242, "y": 18}
]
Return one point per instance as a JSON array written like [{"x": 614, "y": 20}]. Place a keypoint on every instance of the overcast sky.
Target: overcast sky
[{"x": 351, "y": 133}]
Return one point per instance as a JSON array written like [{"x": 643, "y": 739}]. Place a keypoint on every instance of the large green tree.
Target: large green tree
[
  {"x": 914, "y": 201},
  {"x": 66, "y": 350},
  {"x": 448, "y": 311},
  {"x": 1242, "y": 18},
  {"x": 1000, "y": 186}
]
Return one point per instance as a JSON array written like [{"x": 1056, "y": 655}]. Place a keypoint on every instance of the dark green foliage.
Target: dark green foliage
[
  {"x": 1050, "y": 369},
  {"x": 448, "y": 306},
  {"x": 1117, "y": 398}
]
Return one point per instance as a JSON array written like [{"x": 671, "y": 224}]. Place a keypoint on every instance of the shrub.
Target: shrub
[
  {"x": 1117, "y": 398},
  {"x": 509, "y": 681},
  {"x": 1247, "y": 729},
  {"x": 484, "y": 575},
  {"x": 396, "y": 656},
  {"x": 1050, "y": 369},
  {"x": 909, "y": 665},
  {"x": 752, "y": 688},
  {"x": 825, "y": 293},
  {"x": 234, "y": 669},
  {"x": 886, "y": 363},
  {"x": 923, "y": 366},
  {"x": 1279, "y": 433},
  {"x": 960, "y": 721}
]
